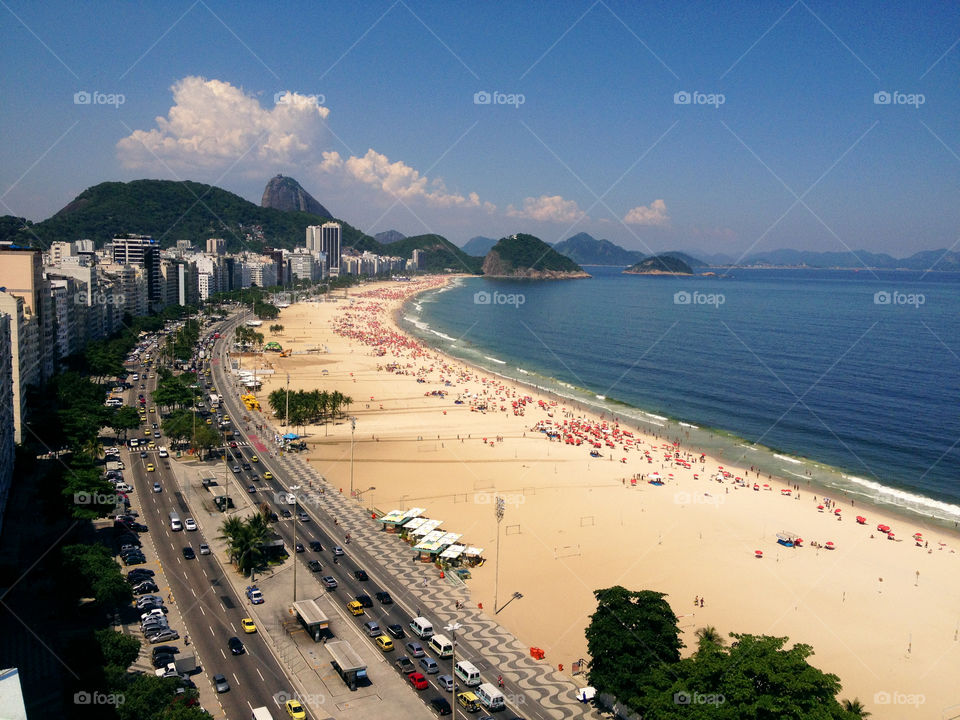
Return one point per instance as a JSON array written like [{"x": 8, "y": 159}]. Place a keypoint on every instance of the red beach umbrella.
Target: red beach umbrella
[
  {"x": 758, "y": 554},
  {"x": 830, "y": 546}
]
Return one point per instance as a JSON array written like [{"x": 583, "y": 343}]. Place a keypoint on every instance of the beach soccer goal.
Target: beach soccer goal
[
  {"x": 587, "y": 521},
  {"x": 512, "y": 529},
  {"x": 566, "y": 551}
]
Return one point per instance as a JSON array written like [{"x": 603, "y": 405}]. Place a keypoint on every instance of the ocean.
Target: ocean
[{"x": 850, "y": 379}]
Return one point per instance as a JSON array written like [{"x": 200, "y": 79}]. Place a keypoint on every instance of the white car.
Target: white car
[
  {"x": 190, "y": 524},
  {"x": 164, "y": 453},
  {"x": 124, "y": 488}
]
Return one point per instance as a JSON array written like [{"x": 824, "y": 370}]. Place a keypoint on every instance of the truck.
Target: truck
[
  {"x": 185, "y": 664},
  {"x": 347, "y": 663},
  {"x": 261, "y": 713},
  {"x": 214, "y": 401}
]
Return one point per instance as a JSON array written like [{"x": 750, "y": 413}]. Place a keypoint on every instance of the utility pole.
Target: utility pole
[
  {"x": 293, "y": 490},
  {"x": 353, "y": 426},
  {"x": 286, "y": 414},
  {"x": 452, "y": 628},
  {"x": 498, "y": 509}
]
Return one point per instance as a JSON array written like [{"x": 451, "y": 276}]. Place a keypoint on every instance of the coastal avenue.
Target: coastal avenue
[{"x": 322, "y": 529}]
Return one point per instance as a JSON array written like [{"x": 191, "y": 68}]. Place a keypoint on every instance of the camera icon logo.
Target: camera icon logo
[
  {"x": 681, "y": 698},
  {"x": 82, "y": 698},
  {"x": 881, "y": 698},
  {"x": 82, "y": 498},
  {"x": 82, "y": 98},
  {"x": 481, "y": 98},
  {"x": 282, "y": 697},
  {"x": 681, "y": 97},
  {"x": 881, "y": 297},
  {"x": 482, "y": 297},
  {"x": 881, "y": 98},
  {"x": 681, "y": 297}
]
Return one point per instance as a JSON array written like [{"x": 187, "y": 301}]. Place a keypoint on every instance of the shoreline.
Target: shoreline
[
  {"x": 575, "y": 523},
  {"x": 681, "y": 427}
]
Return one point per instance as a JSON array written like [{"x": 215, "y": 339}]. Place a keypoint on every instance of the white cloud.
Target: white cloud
[
  {"x": 548, "y": 208},
  {"x": 653, "y": 214},
  {"x": 214, "y": 124}
]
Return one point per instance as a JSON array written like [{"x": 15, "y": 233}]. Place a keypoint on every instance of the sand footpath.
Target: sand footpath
[{"x": 882, "y": 614}]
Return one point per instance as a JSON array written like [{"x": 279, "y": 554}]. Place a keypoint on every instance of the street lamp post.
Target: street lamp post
[
  {"x": 286, "y": 414},
  {"x": 293, "y": 490},
  {"x": 452, "y": 628},
  {"x": 353, "y": 427},
  {"x": 498, "y": 509}
]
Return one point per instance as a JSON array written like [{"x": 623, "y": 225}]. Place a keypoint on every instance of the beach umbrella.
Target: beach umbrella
[
  {"x": 820, "y": 508},
  {"x": 890, "y": 536},
  {"x": 758, "y": 554},
  {"x": 830, "y": 546},
  {"x": 837, "y": 511},
  {"x": 861, "y": 519}
]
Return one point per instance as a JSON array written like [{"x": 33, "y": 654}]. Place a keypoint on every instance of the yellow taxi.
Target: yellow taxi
[
  {"x": 153, "y": 410},
  {"x": 268, "y": 475},
  {"x": 248, "y": 625},
  {"x": 209, "y": 421},
  {"x": 150, "y": 467},
  {"x": 384, "y": 643},
  {"x": 468, "y": 701},
  {"x": 254, "y": 459},
  {"x": 355, "y": 607},
  {"x": 295, "y": 710},
  {"x": 151, "y": 445},
  {"x": 147, "y": 432}
]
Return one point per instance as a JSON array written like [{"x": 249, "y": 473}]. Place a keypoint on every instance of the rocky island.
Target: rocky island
[{"x": 526, "y": 256}]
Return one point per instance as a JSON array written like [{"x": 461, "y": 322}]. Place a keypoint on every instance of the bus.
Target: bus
[{"x": 214, "y": 401}]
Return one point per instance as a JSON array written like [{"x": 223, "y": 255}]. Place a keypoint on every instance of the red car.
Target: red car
[
  {"x": 418, "y": 681},
  {"x": 233, "y": 445}
]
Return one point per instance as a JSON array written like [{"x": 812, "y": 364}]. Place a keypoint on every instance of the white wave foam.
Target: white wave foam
[
  {"x": 907, "y": 499},
  {"x": 695, "y": 427},
  {"x": 788, "y": 459},
  {"x": 498, "y": 361},
  {"x": 656, "y": 417},
  {"x": 442, "y": 335},
  {"x": 419, "y": 324},
  {"x": 521, "y": 370},
  {"x": 601, "y": 397},
  {"x": 789, "y": 472}
]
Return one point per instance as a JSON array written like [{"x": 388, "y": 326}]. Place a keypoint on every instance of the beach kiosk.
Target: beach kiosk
[
  {"x": 435, "y": 543},
  {"x": 473, "y": 556},
  {"x": 417, "y": 533},
  {"x": 453, "y": 555},
  {"x": 394, "y": 520},
  {"x": 347, "y": 663},
  {"x": 312, "y": 618},
  {"x": 789, "y": 539}
]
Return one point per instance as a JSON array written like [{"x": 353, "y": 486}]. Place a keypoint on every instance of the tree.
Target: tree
[
  {"x": 856, "y": 708},
  {"x": 124, "y": 419},
  {"x": 631, "y": 633},
  {"x": 708, "y": 638},
  {"x": 245, "y": 541},
  {"x": 178, "y": 426},
  {"x": 97, "y": 573},
  {"x": 117, "y": 648},
  {"x": 205, "y": 438}
]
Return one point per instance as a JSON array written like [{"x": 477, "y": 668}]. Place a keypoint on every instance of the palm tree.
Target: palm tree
[
  {"x": 231, "y": 530},
  {"x": 856, "y": 707},
  {"x": 709, "y": 638}
]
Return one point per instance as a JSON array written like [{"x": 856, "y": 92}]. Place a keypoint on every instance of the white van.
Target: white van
[
  {"x": 441, "y": 646},
  {"x": 175, "y": 524},
  {"x": 468, "y": 673},
  {"x": 261, "y": 713},
  {"x": 422, "y": 627},
  {"x": 490, "y": 697}
]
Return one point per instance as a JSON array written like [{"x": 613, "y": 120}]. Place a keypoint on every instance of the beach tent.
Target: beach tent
[
  {"x": 586, "y": 694},
  {"x": 291, "y": 436}
]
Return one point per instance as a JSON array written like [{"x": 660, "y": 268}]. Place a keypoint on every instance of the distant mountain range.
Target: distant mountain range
[{"x": 479, "y": 246}]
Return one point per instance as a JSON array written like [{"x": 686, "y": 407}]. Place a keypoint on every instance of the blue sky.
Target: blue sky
[{"x": 781, "y": 145}]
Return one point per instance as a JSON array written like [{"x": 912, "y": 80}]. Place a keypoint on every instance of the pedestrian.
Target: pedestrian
[
  {"x": 696, "y": 599},
  {"x": 500, "y": 680},
  {"x": 701, "y": 602}
]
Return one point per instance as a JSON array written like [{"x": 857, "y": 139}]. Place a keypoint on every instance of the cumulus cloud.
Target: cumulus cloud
[
  {"x": 214, "y": 124},
  {"x": 548, "y": 208},
  {"x": 653, "y": 214}
]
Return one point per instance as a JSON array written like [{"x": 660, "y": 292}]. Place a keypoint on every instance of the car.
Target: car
[
  {"x": 384, "y": 643},
  {"x": 188, "y": 553},
  {"x": 303, "y": 517},
  {"x": 147, "y": 432},
  {"x": 143, "y": 600},
  {"x": 147, "y": 586},
  {"x": 164, "y": 650},
  {"x": 285, "y": 513},
  {"x": 246, "y": 466},
  {"x": 157, "y": 488},
  {"x": 254, "y": 594},
  {"x": 355, "y": 607},
  {"x": 373, "y": 629},
  {"x": 236, "y": 469},
  {"x": 163, "y": 636},
  {"x": 415, "y": 649},
  {"x": 156, "y": 612},
  {"x": 405, "y": 666},
  {"x": 236, "y": 646},
  {"x": 143, "y": 453},
  {"x": 267, "y": 475},
  {"x": 190, "y": 524},
  {"x": 233, "y": 444},
  {"x": 207, "y": 482},
  {"x": 418, "y": 681},
  {"x": 316, "y": 546},
  {"x": 384, "y": 598},
  {"x": 365, "y": 600},
  {"x": 254, "y": 459},
  {"x": 298, "y": 547},
  {"x": 446, "y": 682},
  {"x": 337, "y": 551},
  {"x": 163, "y": 451},
  {"x": 150, "y": 467},
  {"x": 152, "y": 626},
  {"x": 130, "y": 547},
  {"x": 329, "y": 582},
  {"x": 274, "y": 517},
  {"x": 204, "y": 549},
  {"x": 248, "y": 625},
  {"x": 134, "y": 560},
  {"x": 315, "y": 566},
  {"x": 295, "y": 710},
  {"x": 255, "y": 478},
  {"x": 429, "y": 665},
  {"x": 140, "y": 571},
  {"x": 361, "y": 575},
  {"x": 251, "y": 489},
  {"x": 162, "y": 660},
  {"x": 153, "y": 410},
  {"x": 396, "y": 630},
  {"x": 440, "y": 706},
  {"x": 220, "y": 684},
  {"x": 138, "y": 527}
]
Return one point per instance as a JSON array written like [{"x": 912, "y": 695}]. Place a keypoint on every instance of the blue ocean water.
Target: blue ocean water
[{"x": 849, "y": 378}]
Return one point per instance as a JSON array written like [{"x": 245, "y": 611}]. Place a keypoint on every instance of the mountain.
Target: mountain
[
  {"x": 688, "y": 259},
  {"x": 526, "y": 256},
  {"x": 587, "y": 250},
  {"x": 438, "y": 254},
  {"x": 479, "y": 246},
  {"x": 660, "y": 265},
  {"x": 389, "y": 236},
  {"x": 924, "y": 260},
  {"x": 171, "y": 210},
  {"x": 285, "y": 193},
  {"x": 932, "y": 260}
]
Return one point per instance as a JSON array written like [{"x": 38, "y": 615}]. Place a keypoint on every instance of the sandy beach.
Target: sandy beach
[{"x": 883, "y": 614}]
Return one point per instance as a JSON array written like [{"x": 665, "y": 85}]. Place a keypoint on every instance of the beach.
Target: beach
[{"x": 432, "y": 432}]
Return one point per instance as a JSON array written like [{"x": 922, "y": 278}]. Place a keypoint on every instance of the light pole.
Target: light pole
[
  {"x": 452, "y": 628},
  {"x": 498, "y": 509},
  {"x": 360, "y": 493},
  {"x": 353, "y": 427},
  {"x": 286, "y": 414},
  {"x": 293, "y": 489}
]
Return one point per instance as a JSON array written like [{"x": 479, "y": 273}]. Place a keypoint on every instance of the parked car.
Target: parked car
[
  {"x": 165, "y": 636},
  {"x": 163, "y": 659},
  {"x": 254, "y": 594},
  {"x": 162, "y": 649},
  {"x": 134, "y": 560},
  {"x": 148, "y": 586}
]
